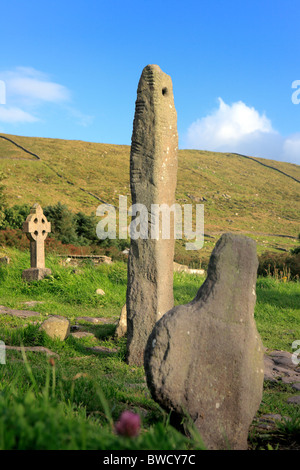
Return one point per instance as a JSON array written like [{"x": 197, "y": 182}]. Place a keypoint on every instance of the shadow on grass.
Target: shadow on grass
[{"x": 279, "y": 299}]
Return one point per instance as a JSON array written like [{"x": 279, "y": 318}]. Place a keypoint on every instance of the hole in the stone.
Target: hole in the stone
[
  {"x": 35, "y": 221},
  {"x": 165, "y": 91},
  {"x": 43, "y": 221},
  {"x": 36, "y": 233},
  {"x": 43, "y": 232}
]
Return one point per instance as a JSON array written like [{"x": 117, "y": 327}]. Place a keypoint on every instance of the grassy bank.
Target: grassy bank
[{"x": 74, "y": 401}]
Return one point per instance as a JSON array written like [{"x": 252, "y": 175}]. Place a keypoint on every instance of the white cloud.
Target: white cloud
[
  {"x": 33, "y": 86},
  {"x": 291, "y": 148},
  {"x": 241, "y": 129},
  {"x": 29, "y": 92},
  {"x": 37, "y": 89},
  {"x": 14, "y": 115}
]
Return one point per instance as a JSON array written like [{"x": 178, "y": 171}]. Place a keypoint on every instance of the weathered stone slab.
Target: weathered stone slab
[
  {"x": 280, "y": 367},
  {"x": 32, "y": 349},
  {"x": 96, "y": 320},
  {"x": 121, "y": 329},
  {"x": 33, "y": 303},
  {"x": 153, "y": 176},
  {"x": 83, "y": 334},
  {"x": 35, "y": 274},
  {"x": 102, "y": 349},
  {"x": 295, "y": 400},
  {"x": 18, "y": 313},
  {"x": 206, "y": 358}
]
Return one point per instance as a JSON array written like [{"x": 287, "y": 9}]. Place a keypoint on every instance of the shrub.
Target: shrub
[
  {"x": 62, "y": 223},
  {"x": 14, "y": 238},
  {"x": 279, "y": 265},
  {"x": 15, "y": 216}
]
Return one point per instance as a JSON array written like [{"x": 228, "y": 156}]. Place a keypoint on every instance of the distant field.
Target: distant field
[{"x": 239, "y": 194}]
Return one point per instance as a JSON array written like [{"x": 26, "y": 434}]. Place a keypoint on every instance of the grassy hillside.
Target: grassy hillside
[{"x": 240, "y": 194}]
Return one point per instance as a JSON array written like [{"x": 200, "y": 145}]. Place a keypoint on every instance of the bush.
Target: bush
[
  {"x": 85, "y": 227},
  {"x": 279, "y": 265},
  {"x": 15, "y": 216},
  {"x": 63, "y": 226},
  {"x": 14, "y": 238}
]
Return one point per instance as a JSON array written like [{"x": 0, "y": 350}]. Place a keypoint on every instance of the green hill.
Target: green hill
[{"x": 253, "y": 196}]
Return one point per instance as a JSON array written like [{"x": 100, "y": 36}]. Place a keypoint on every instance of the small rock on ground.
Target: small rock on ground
[
  {"x": 280, "y": 367},
  {"x": 82, "y": 334},
  {"x": 56, "y": 327},
  {"x": 33, "y": 303},
  {"x": 294, "y": 400},
  {"x": 100, "y": 292},
  {"x": 96, "y": 320},
  {"x": 103, "y": 349},
  {"x": 33, "y": 349}
]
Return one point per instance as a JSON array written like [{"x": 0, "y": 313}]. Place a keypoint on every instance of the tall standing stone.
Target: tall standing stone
[
  {"x": 36, "y": 228},
  {"x": 205, "y": 359},
  {"x": 153, "y": 177}
]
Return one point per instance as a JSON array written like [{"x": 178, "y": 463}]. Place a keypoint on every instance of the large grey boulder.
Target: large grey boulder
[{"x": 205, "y": 359}]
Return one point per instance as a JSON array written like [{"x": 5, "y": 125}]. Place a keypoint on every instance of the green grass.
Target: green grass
[
  {"x": 73, "y": 404},
  {"x": 277, "y": 313}
]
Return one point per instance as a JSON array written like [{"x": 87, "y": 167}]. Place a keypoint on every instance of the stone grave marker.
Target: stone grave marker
[
  {"x": 206, "y": 359},
  {"x": 153, "y": 177},
  {"x": 36, "y": 228}
]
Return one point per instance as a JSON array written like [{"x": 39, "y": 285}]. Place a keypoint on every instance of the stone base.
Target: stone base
[{"x": 35, "y": 274}]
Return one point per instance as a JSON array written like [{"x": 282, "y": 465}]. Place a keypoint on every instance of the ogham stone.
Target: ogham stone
[
  {"x": 36, "y": 228},
  {"x": 205, "y": 358},
  {"x": 153, "y": 177}
]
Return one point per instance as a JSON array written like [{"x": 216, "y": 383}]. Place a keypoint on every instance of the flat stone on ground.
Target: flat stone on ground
[
  {"x": 103, "y": 349},
  {"x": 295, "y": 400},
  {"x": 280, "y": 367},
  {"x": 33, "y": 303},
  {"x": 17, "y": 313},
  {"x": 82, "y": 334},
  {"x": 96, "y": 320},
  {"x": 32, "y": 349}
]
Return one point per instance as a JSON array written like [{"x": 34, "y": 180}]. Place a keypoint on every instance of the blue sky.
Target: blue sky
[{"x": 71, "y": 70}]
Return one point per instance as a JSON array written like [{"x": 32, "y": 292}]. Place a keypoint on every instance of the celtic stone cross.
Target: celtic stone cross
[{"x": 36, "y": 228}]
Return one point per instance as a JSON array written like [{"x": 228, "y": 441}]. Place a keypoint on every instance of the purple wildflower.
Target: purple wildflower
[{"x": 129, "y": 424}]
